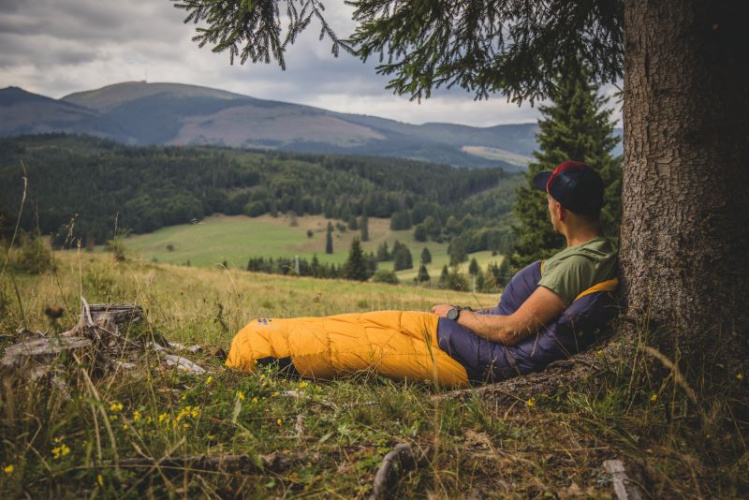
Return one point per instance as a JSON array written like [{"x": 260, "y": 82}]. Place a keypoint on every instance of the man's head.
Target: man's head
[{"x": 573, "y": 187}]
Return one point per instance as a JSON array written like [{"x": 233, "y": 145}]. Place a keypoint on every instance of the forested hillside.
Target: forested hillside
[{"x": 100, "y": 184}]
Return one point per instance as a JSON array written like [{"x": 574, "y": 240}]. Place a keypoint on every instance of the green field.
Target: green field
[{"x": 235, "y": 239}]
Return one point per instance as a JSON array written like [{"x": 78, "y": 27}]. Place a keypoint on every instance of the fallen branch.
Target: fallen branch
[
  {"x": 393, "y": 465},
  {"x": 625, "y": 488},
  {"x": 275, "y": 462}
]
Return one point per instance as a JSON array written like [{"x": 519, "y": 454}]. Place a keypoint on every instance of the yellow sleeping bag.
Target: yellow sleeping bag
[{"x": 397, "y": 344}]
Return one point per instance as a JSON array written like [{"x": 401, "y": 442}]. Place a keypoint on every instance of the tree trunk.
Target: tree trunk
[{"x": 685, "y": 225}]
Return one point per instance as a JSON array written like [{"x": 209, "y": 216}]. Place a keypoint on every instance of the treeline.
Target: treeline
[
  {"x": 97, "y": 184},
  {"x": 312, "y": 268}
]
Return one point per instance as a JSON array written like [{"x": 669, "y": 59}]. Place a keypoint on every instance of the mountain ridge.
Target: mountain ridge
[{"x": 162, "y": 113}]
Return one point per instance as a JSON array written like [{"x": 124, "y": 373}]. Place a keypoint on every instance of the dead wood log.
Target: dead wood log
[
  {"x": 119, "y": 314},
  {"x": 44, "y": 349},
  {"x": 184, "y": 364},
  {"x": 393, "y": 466}
]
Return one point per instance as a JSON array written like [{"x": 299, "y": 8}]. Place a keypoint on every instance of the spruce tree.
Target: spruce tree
[
  {"x": 423, "y": 274},
  {"x": 426, "y": 256},
  {"x": 444, "y": 275},
  {"x": 355, "y": 267},
  {"x": 364, "y": 227},
  {"x": 329, "y": 239},
  {"x": 382, "y": 252},
  {"x": 473, "y": 267},
  {"x": 575, "y": 126},
  {"x": 401, "y": 256}
]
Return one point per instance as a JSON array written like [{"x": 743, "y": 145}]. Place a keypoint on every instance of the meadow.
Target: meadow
[
  {"x": 150, "y": 431},
  {"x": 234, "y": 239}
]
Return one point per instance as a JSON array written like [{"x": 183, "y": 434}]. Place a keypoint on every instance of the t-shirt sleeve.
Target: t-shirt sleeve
[{"x": 568, "y": 278}]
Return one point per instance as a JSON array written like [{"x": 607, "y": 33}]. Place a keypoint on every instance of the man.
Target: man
[
  {"x": 545, "y": 314},
  {"x": 575, "y": 197}
]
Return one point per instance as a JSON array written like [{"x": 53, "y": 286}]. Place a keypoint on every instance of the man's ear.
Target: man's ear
[{"x": 560, "y": 211}]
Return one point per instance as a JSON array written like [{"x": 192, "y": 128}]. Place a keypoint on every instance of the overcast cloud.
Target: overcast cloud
[{"x": 54, "y": 48}]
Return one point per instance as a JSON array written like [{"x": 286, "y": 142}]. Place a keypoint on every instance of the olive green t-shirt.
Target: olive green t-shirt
[{"x": 575, "y": 269}]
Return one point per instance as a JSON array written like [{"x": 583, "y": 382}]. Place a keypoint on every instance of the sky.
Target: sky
[{"x": 55, "y": 47}]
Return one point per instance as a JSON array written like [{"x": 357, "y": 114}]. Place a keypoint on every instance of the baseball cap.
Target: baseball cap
[{"x": 575, "y": 185}]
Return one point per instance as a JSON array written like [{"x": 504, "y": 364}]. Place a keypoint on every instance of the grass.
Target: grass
[
  {"x": 331, "y": 436},
  {"x": 235, "y": 239}
]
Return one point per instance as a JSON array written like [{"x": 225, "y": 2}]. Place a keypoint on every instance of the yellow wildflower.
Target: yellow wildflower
[
  {"x": 115, "y": 407},
  {"x": 531, "y": 402},
  {"x": 262, "y": 376},
  {"x": 255, "y": 400},
  {"x": 303, "y": 384},
  {"x": 279, "y": 421},
  {"x": 163, "y": 417},
  {"x": 8, "y": 469},
  {"x": 100, "y": 480},
  {"x": 136, "y": 416},
  {"x": 186, "y": 425},
  {"x": 60, "y": 451},
  {"x": 653, "y": 398},
  {"x": 240, "y": 395},
  {"x": 124, "y": 426},
  {"x": 740, "y": 377},
  {"x": 276, "y": 394},
  {"x": 209, "y": 379}
]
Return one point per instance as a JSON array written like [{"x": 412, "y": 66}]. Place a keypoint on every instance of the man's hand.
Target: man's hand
[{"x": 441, "y": 310}]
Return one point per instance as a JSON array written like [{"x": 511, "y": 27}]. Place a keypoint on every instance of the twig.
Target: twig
[
  {"x": 678, "y": 377},
  {"x": 392, "y": 467},
  {"x": 273, "y": 462},
  {"x": 18, "y": 220}
]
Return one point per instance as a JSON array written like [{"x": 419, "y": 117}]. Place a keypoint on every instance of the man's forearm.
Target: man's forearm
[{"x": 495, "y": 328}]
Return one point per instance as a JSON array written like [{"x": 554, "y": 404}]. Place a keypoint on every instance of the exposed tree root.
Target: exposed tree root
[{"x": 557, "y": 376}]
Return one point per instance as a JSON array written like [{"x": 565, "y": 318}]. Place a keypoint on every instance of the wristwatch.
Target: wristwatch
[{"x": 453, "y": 313}]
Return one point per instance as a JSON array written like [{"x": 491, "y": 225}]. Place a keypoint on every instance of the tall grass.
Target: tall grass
[{"x": 113, "y": 434}]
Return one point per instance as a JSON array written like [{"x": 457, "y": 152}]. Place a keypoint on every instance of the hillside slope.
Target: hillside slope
[
  {"x": 22, "y": 112},
  {"x": 176, "y": 114}
]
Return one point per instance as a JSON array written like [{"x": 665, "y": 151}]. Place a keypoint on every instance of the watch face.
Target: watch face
[{"x": 453, "y": 314}]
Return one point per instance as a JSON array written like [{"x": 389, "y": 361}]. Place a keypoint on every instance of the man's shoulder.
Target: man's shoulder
[{"x": 575, "y": 269}]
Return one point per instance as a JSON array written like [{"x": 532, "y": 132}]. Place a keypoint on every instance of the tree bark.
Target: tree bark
[{"x": 685, "y": 222}]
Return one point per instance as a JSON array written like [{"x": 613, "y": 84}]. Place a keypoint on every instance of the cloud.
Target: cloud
[{"x": 56, "y": 48}]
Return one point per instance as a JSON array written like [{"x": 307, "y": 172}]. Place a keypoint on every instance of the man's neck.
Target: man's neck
[{"x": 581, "y": 236}]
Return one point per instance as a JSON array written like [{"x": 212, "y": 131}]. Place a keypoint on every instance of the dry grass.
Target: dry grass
[{"x": 328, "y": 440}]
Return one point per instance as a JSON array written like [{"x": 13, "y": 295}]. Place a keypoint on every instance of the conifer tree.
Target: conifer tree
[
  {"x": 401, "y": 256},
  {"x": 355, "y": 267},
  {"x": 473, "y": 267},
  {"x": 444, "y": 275},
  {"x": 353, "y": 224},
  {"x": 382, "y": 252},
  {"x": 329, "y": 239},
  {"x": 426, "y": 256},
  {"x": 364, "y": 227},
  {"x": 575, "y": 126},
  {"x": 423, "y": 274}
]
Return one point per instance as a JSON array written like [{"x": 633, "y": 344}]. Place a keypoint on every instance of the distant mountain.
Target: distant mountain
[
  {"x": 175, "y": 114},
  {"x": 22, "y": 112}
]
